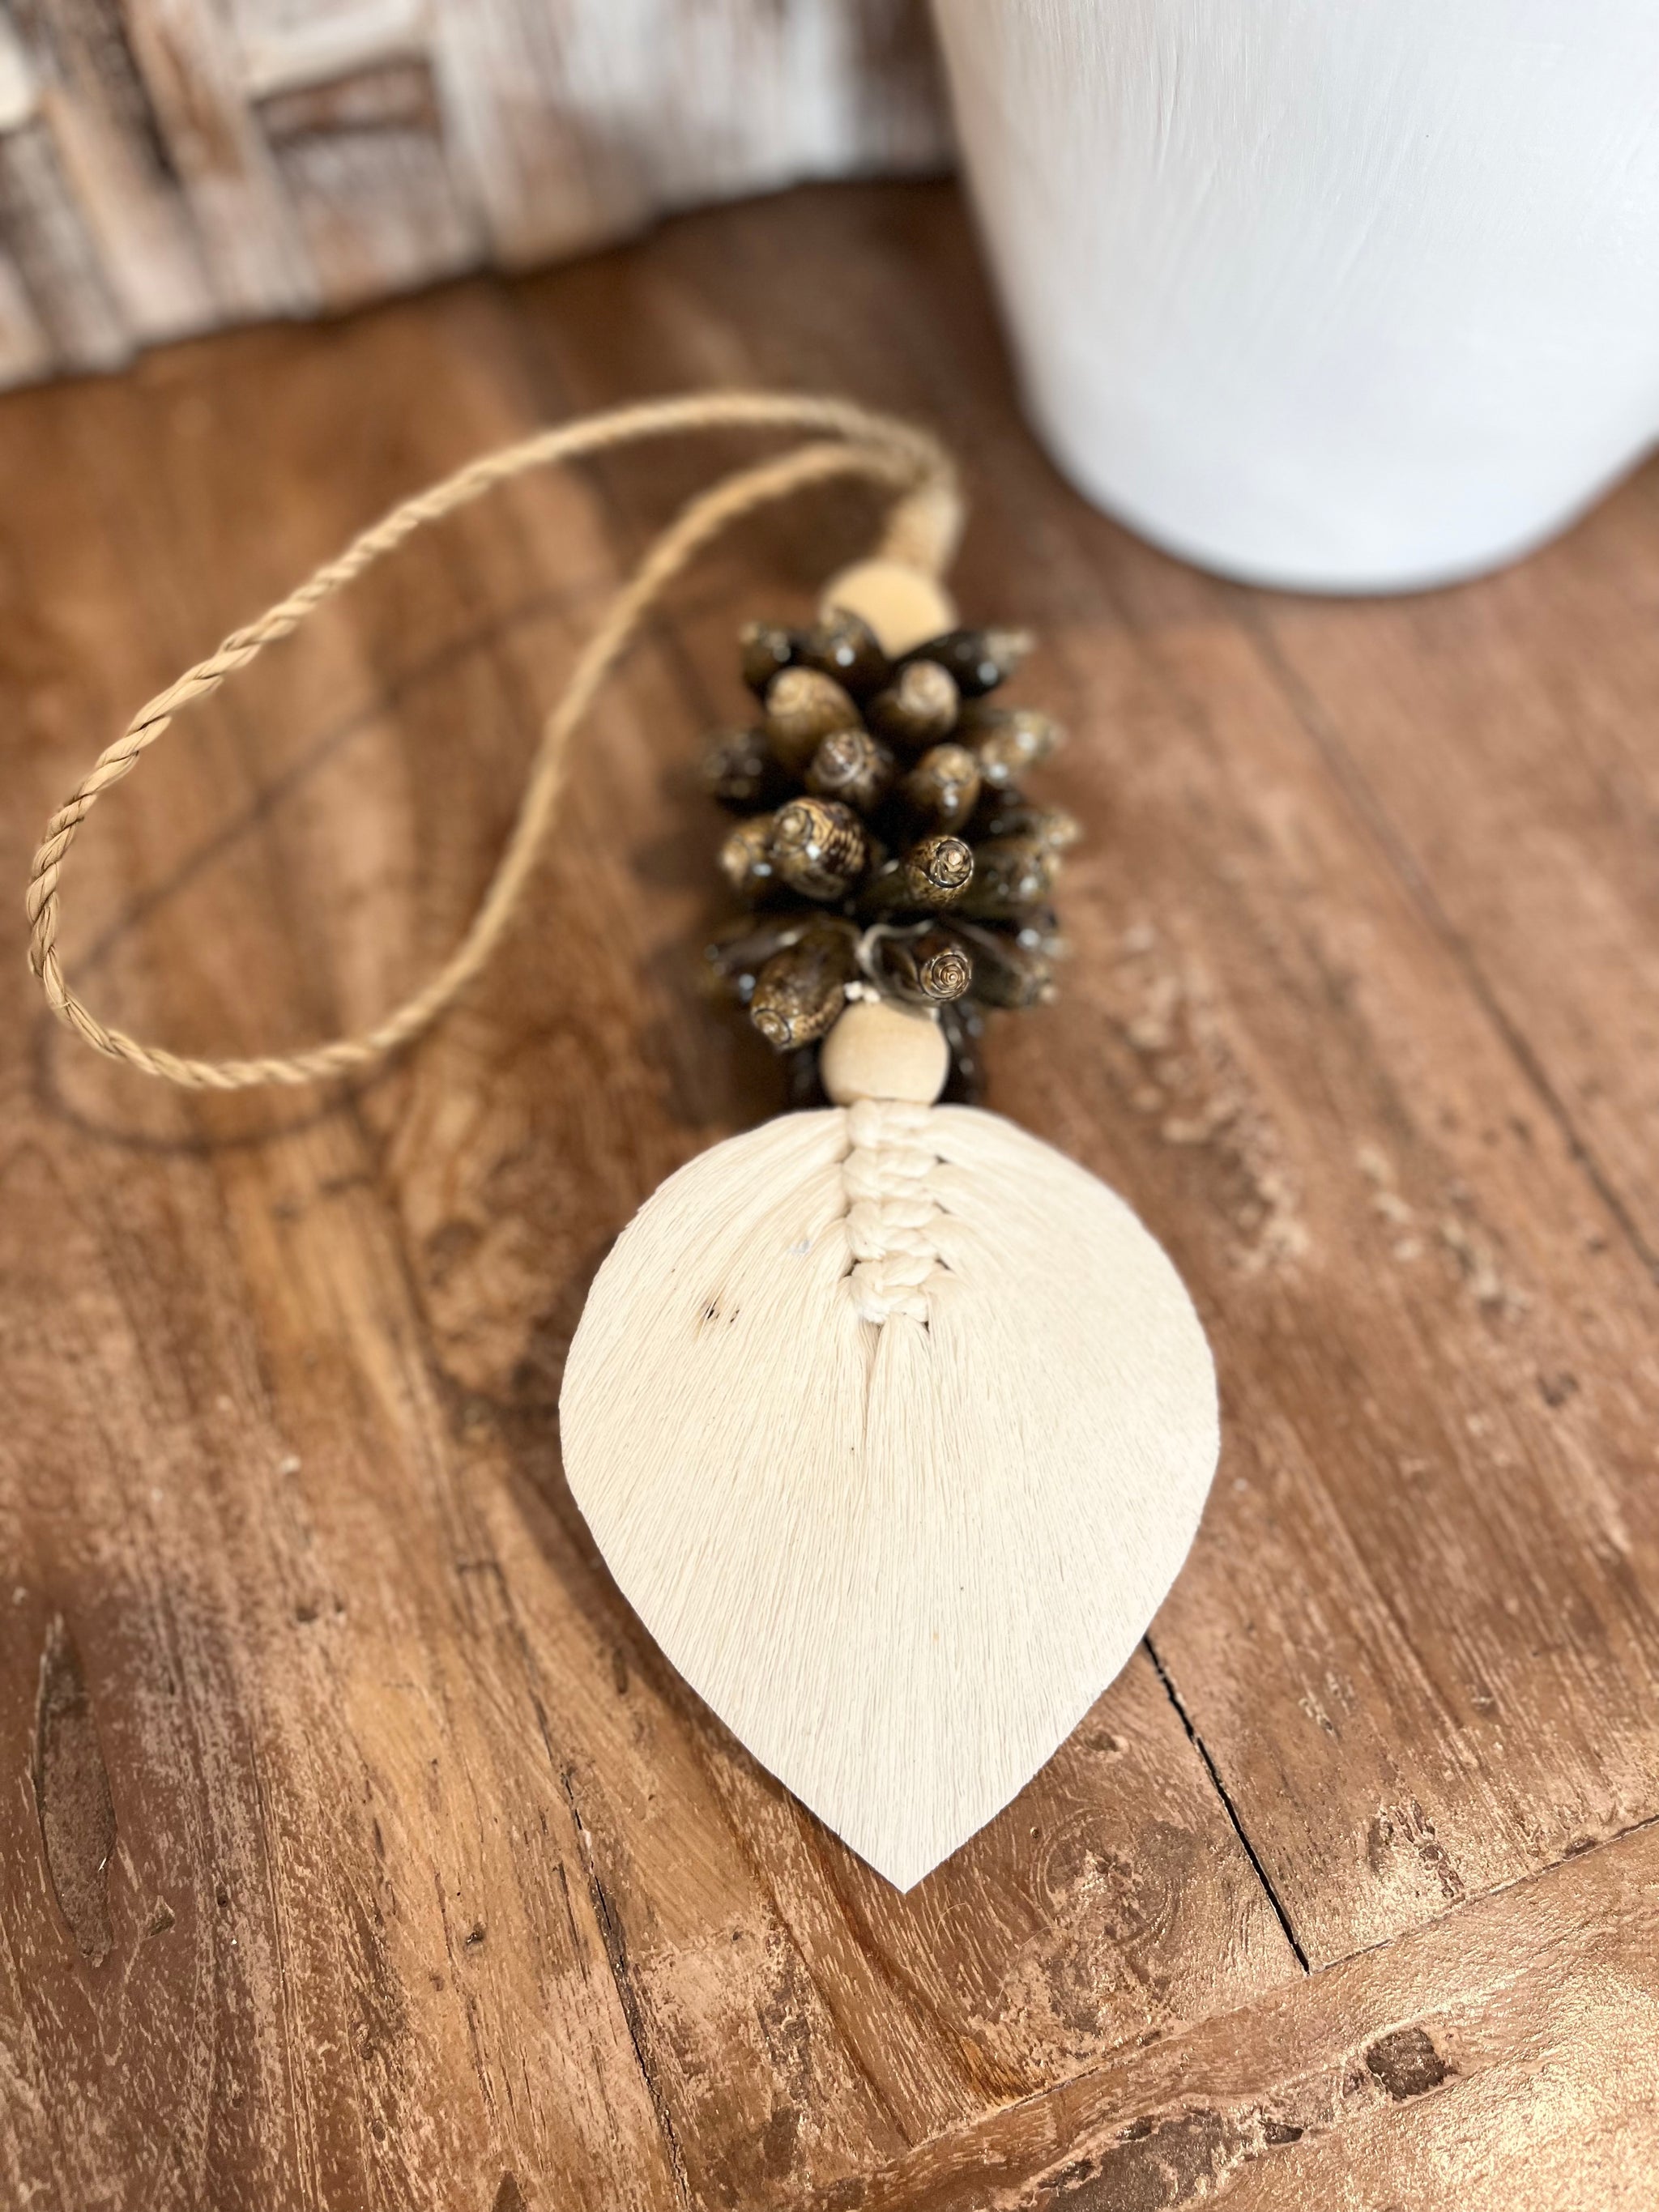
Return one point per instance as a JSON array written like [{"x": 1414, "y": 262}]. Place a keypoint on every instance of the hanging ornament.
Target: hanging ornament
[{"x": 894, "y": 1425}]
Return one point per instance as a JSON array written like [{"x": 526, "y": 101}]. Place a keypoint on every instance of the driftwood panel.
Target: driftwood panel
[{"x": 170, "y": 165}]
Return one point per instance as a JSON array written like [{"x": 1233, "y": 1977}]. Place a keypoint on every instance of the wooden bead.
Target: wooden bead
[
  {"x": 942, "y": 788},
  {"x": 817, "y": 846},
  {"x": 880, "y": 1050},
  {"x": 979, "y": 660},
  {"x": 919, "y": 709},
  {"x": 843, "y": 645},
  {"x": 852, "y": 766},
  {"x": 903, "y": 606},
  {"x": 746, "y": 859},
  {"x": 802, "y": 706},
  {"x": 801, "y": 990}
]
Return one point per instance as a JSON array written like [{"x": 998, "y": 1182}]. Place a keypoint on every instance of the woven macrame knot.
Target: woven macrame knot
[{"x": 891, "y": 1210}]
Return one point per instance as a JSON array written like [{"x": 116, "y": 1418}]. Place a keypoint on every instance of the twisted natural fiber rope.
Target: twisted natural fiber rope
[{"x": 922, "y": 530}]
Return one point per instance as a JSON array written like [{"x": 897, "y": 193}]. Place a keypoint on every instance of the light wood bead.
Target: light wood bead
[
  {"x": 880, "y": 1050},
  {"x": 904, "y": 607}
]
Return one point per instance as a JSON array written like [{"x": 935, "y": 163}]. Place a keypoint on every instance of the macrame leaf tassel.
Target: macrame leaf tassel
[{"x": 894, "y": 1426}]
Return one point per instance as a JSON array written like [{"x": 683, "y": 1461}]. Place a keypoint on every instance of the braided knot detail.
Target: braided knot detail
[{"x": 890, "y": 1212}]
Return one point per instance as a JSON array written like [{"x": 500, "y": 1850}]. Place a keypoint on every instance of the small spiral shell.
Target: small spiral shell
[
  {"x": 944, "y": 787},
  {"x": 852, "y": 766},
  {"x": 1011, "y": 968},
  {"x": 1010, "y": 874},
  {"x": 746, "y": 859},
  {"x": 738, "y": 769},
  {"x": 930, "y": 967},
  {"x": 977, "y": 660},
  {"x": 736, "y": 954},
  {"x": 801, "y": 990},
  {"x": 817, "y": 846},
  {"x": 844, "y": 646},
  {"x": 802, "y": 706},
  {"x": 934, "y": 874},
  {"x": 1009, "y": 741},
  {"x": 917, "y": 710},
  {"x": 1054, "y": 828},
  {"x": 765, "y": 650}
]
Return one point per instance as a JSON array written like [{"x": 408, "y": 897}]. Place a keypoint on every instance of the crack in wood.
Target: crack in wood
[
  {"x": 616, "y": 1952},
  {"x": 1228, "y": 1805},
  {"x": 72, "y": 1797}
]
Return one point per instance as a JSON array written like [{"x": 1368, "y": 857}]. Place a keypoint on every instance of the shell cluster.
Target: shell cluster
[{"x": 884, "y": 840}]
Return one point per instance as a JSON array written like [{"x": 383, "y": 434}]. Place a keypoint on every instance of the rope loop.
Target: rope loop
[{"x": 843, "y": 440}]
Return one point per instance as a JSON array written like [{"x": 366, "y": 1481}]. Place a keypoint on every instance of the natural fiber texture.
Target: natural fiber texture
[
  {"x": 898, "y": 1518},
  {"x": 848, "y": 440}
]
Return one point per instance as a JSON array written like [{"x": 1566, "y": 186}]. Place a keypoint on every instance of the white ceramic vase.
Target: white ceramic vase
[{"x": 1344, "y": 294}]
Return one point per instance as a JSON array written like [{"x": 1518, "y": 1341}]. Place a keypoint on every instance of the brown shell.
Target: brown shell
[
  {"x": 738, "y": 769},
  {"x": 1010, "y": 874},
  {"x": 931, "y": 966},
  {"x": 817, "y": 846},
  {"x": 802, "y": 706},
  {"x": 746, "y": 859},
  {"x": 737, "y": 953},
  {"x": 942, "y": 788},
  {"x": 858, "y": 755},
  {"x": 1054, "y": 828},
  {"x": 844, "y": 646},
  {"x": 977, "y": 660},
  {"x": 764, "y": 649},
  {"x": 1009, "y": 741},
  {"x": 852, "y": 766},
  {"x": 1009, "y": 968},
  {"x": 934, "y": 874},
  {"x": 919, "y": 709},
  {"x": 801, "y": 989}
]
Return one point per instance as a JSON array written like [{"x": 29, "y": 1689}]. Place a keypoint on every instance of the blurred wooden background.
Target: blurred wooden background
[{"x": 172, "y": 166}]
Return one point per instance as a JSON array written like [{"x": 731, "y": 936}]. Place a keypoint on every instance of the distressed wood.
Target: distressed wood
[
  {"x": 1503, "y": 2057},
  {"x": 427, "y": 1871},
  {"x": 169, "y": 166}
]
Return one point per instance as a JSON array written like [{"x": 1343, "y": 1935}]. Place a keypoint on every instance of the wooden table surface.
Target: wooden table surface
[{"x": 357, "y": 1848}]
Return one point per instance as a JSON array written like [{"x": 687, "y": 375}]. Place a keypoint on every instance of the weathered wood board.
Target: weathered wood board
[{"x": 167, "y": 166}]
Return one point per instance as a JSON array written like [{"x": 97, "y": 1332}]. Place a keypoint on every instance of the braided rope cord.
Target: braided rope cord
[{"x": 921, "y": 530}]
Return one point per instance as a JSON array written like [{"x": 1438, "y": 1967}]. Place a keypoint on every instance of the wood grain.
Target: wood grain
[{"x": 429, "y": 1884}]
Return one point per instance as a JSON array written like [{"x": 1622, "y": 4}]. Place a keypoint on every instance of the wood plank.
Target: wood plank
[
  {"x": 117, "y": 185},
  {"x": 1523, "y": 807},
  {"x": 1416, "y": 1638},
  {"x": 59, "y": 310},
  {"x": 501, "y": 1898},
  {"x": 364, "y": 166},
  {"x": 1502, "y": 2059}
]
